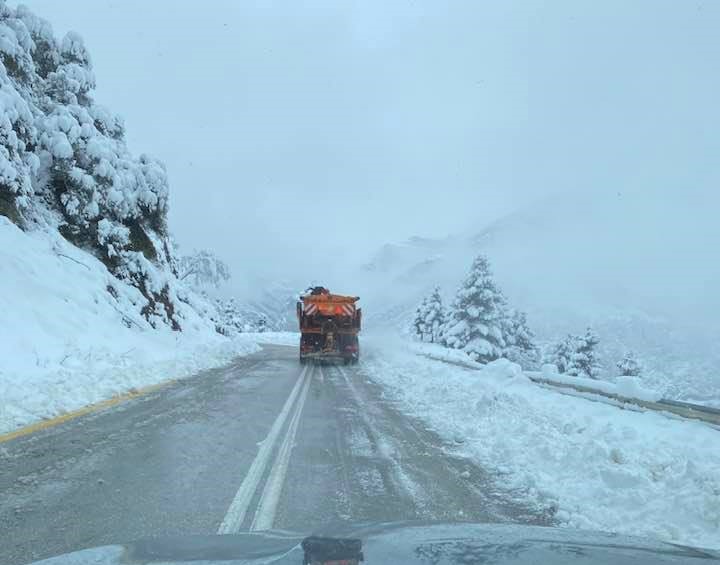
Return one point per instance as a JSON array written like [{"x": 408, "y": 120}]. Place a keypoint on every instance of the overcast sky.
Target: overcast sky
[{"x": 349, "y": 124}]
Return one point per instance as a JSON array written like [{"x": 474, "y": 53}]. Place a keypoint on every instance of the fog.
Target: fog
[{"x": 300, "y": 137}]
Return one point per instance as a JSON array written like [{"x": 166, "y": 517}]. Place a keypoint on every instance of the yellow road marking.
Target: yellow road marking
[{"x": 67, "y": 416}]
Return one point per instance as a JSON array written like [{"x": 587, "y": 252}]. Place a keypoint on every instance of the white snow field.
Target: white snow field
[
  {"x": 65, "y": 344},
  {"x": 638, "y": 473}
]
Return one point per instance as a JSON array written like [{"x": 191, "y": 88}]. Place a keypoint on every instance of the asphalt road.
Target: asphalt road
[{"x": 263, "y": 443}]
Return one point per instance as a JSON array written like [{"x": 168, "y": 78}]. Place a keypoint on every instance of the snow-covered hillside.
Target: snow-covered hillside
[
  {"x": 64, "y": 165},
  {"x": 613, "y": 262},
  {"x": 68, "y": 341},
  {"x": 90, "y": 300}
]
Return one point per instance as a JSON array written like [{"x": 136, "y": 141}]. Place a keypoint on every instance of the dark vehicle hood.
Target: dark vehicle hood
[{"x": 410, "y": 543}]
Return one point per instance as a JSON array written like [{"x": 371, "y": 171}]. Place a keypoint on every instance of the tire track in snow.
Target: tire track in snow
[{"x": 385, "y": 449}]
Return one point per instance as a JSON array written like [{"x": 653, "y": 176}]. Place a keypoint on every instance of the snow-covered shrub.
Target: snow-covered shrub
[
  {"x": 233, "y": 318},
  {"x": 629, "y": 365},
  {"x": 520, "y": 341},
  {"x": 112, "y": 237},
  {"x": 476, "y": 320},
  {"x": 262, "y": 324},
  {"x": 71, "y": 81},
  {"x": 577, "y": 355},
  {"x": 18, "y": 165}
]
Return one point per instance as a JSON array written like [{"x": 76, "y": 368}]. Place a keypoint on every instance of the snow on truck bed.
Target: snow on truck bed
[
  {"x": 64, "y": 344},
  {"x": 604, "y": 468}
]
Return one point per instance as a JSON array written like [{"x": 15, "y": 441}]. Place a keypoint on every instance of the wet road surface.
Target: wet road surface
[{"x": 263, "y": 443}]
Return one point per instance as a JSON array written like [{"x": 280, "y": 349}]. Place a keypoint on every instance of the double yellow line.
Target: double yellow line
[{"x": 67, "y": 416}]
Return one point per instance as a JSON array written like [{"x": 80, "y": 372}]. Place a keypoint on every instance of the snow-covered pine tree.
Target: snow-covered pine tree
[
  {"x": 475, "y": 324},
  {"x": 583, "y": 358},
  {"x": 519, "y": 340},
  {"x": 562, "y": 353},
  {"x": 630, "y": 366},
  {"x": 557, "y": 355},
  {"x": 419, "y": 320},
  {"x": 434, "y": 316}
]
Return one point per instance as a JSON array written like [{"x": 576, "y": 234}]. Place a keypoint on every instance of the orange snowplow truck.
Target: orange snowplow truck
[{"x": 329, "y": 326}]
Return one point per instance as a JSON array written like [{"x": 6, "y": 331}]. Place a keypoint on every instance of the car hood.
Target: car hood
[{"x": 403, "y": 543}]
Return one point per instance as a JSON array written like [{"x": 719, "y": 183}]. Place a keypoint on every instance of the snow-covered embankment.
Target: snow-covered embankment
[
  {"x": 68, "y": 342},
  {"x": 637, "y": 473}
]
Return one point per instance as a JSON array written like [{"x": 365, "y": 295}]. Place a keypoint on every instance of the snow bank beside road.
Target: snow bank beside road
[
  {"x": 97, "y": 372},
  {"x": 440, "y": 353},
  {"x": 67, "y": 341},
  {"x": 88, "y": 376},
  {"x": 606, "y": 469},
  {"x": 625, "y": 387}
]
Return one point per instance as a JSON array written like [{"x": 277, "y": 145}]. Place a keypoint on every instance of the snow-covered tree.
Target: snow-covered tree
[
  {"x": 576, "y": 355},
  {"x": 561, "y": 355},
  {"x": 629, "y": 365},
  {"x": 429, "y": 318},
  {"x": 434, "y": 316},
  {"x": 585, "y": 361},
  {"x": 517, "y": 332},
  {"x": 476, "y": 320},
  {"x": 262, "y": 324},
  {"x": 419, "y": 320},
  {"x": 519, "y": 340},
  {"x": 231, "y": 320},
  {"x": 203, "y": 269}
]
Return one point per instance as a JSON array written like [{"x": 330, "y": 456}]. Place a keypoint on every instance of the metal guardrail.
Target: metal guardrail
[
  {"x": 689, "y": 406},
  {"x": 694, "y": 411},
  {"x": 682, "y": 409},
  {"x": 686, "y": 410}
]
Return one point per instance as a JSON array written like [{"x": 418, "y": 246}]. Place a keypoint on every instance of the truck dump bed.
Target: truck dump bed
[{"x": 329, "y": 326}]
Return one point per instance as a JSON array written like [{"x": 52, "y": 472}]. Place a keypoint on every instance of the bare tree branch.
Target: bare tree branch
[{"x": 74, "y": 260}]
